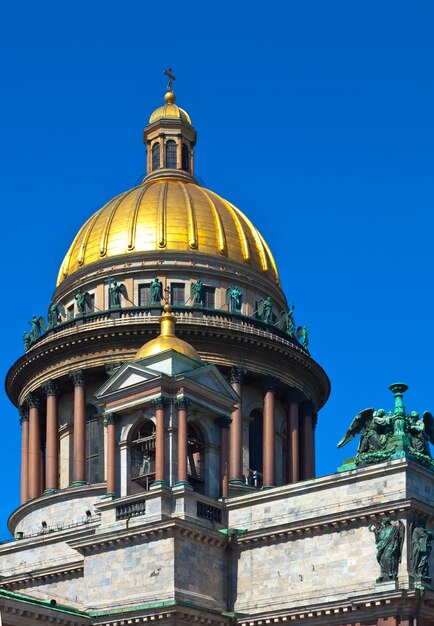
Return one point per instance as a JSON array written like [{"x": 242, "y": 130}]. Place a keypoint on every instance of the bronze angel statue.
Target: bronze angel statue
[
  {"x": 421, "y": 432},
  {"x": 302, "y": 335},
  {"x": 196, "y": 292},
  {"x": 115, "y": 292},
  {"x": 265, "y": 309},
  {"x": 84, "y": 301},
  {"x": 234, "y": 296},
  {"x": 56, "y": 311},
  {"x": 375, "y": 427},
  {"x": 37, "y": 328}
]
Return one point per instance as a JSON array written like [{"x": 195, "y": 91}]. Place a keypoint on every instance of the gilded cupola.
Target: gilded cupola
[{"x": 169, "y": 213}]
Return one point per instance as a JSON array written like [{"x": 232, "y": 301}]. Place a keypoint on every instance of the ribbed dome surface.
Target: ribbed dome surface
[
  {"x": 169, "y": 110},
  {"x": 169, "y": 214}
]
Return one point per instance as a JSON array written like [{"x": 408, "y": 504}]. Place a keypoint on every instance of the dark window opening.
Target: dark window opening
[
  {"x": 91, "y": 306},
  {"x": 209, "y": 297},
  {"x": 185, "y": 158},
  {"x": 254, "y": 477},
  {"x": 70, "y": 312},
  {"x": 195, "y": 458},
  {"x": 93, "y": 445},
  {"x": 144, "y": 295},
  {"x": 143, "y": 456},
  {"x": 155, "y": 156},
  {"x": 177, "y": 294},
  {"x": 171, "y": 154}
]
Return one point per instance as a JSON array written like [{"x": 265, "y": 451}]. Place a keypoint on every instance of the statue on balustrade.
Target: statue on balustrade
[
  {"x": 234, "y": 297},
  {"x": 389, "y": 539},
  {"x": 196, "y": 292},
  {"x": 287, "y": 320},
  {"x": 116, "y": 290},
  {"x": 84, "y": 301},
  {"x": 421, "y": 539},
  {"x": 37, "y": 328},
  {"x": 302, "y": 335},
  {"x": 156, "y": 291},
  {"x": 55, "y": 313},
  {"x": 421, "y": 432},
  {"x": 265, "y": 309}
]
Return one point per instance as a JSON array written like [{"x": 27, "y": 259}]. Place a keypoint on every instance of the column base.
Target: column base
[
  {"x": 236, "y": 482},
  {"x": 185, "y": 484},
  {"x": 268, "y": 486},
  {"x": 78, "y": 483},
  {"x": 110, "y": 495},
  {"x": 48, "y": 492},
  {"x": 158, "y": 483}
]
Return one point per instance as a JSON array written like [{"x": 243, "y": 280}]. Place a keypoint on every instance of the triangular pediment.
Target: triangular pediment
[
  {"x": 211, "y": 378},
  {"x": 127, "y": 376}
]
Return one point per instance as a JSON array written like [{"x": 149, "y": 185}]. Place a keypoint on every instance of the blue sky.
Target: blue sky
[{"x": 314, "y": 118}]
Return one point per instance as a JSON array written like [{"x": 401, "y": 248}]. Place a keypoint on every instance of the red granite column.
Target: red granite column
[
  {"x": 224, "y": 456},
  {"x": 182, "y": 406},
  {"x": 236, "y": 431},
  {"x": 308, "y": 436},
  {"x": 79, "y": 473},
  {"x": 109, "y": 423},
  {"x": 293, "y": 437},
  {"x": 160, "y": 443},
  {"x": 52, "y": 438},
  {"x": 35, "y": 487},
  {"x": 24, "y": 421},
  {"x": 268, "y": 433}
]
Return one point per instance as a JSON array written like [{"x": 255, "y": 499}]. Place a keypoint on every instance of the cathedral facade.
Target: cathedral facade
[{"x": 168, "y": 411}]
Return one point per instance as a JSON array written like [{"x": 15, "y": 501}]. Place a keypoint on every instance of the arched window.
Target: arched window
[
  {"x": 155, "y": 156},
  {"x": 185, "y": 158},
  {"x": 171, "y": 154},
  {"x": 143, "y": 456},
  {"x": 195, "y": 458},
  {"x": 254, "y": 477},
  {"x": 94, "y": 446}
]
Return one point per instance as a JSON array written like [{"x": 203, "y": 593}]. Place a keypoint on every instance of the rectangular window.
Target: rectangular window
[
  {"x": 177, "y": 294},
  {"x": 144, "y": 295},
  {"x": 70, "y": 312},
  {"x": 209, "y": 297},
  {"x": 93, "y": 433}
]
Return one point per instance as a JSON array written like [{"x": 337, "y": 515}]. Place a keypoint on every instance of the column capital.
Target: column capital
[
  {"x": 224, "y": 421},
  {"x": 308, "y": 408},
  {"x": 33, "y": 401},
  {"x": 78, "y": 378},
  {"x": 182, "y": 403},
  {"x": 293, "y": 395},
  {"x": 109, "y": 418},
  {"x": 269, "y": 383},
  {"x": 160, "y": 402},
  {"x": 24, "y": 413},
  {"x": 237, "y": 375},
  {"x": 51, "y": 388}
]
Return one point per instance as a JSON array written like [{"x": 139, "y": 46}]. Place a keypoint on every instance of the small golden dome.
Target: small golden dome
[
  {"x": 169, "y": 215},
  {"x": 167, "y": 339},
  {"x": 170, "y": 110}
]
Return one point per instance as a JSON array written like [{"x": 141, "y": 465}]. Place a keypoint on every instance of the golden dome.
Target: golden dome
[
  {"x": 167, "y": 340},
  {"x": 169, "y": 214},
  {"x": 170, "y": 110}
]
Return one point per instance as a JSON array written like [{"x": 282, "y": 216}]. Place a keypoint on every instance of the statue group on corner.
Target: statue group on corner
[{"x": 384, "y": 436}]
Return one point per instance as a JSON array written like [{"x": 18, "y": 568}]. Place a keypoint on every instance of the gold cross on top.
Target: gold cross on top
[{"x": 171, "y": 78}]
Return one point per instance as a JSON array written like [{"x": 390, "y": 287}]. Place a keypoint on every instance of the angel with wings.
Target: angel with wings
[
  {"x": 115, "y": 292},
  {"x": 374, "y": 427},
  {"x": 196, "y": 292},
  {"x": 37, "y": 327},
  {"x": 233, "y": 299},
  {"x": 55, "y": 313},
  {"x": 84, "y": 301},
  {"x": 421, "y": 431}
]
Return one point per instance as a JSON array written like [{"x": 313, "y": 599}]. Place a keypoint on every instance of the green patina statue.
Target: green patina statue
[
  {"x": 156, "y": 291},
  {"x": 389, "y": 539},
  {"x": 37, "y": 328},
  {"x": 83, "y": 300},
  {"x": 56, "y": 310},
  {"x": 420, "y": 551},
  {"x": 234, "y": 297},
  {"x": 302, "y": 335},
  {"x": 196, "y": 292},
  {"x": 265, "y": 310},
  {"x": 390, "y": 436}
]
